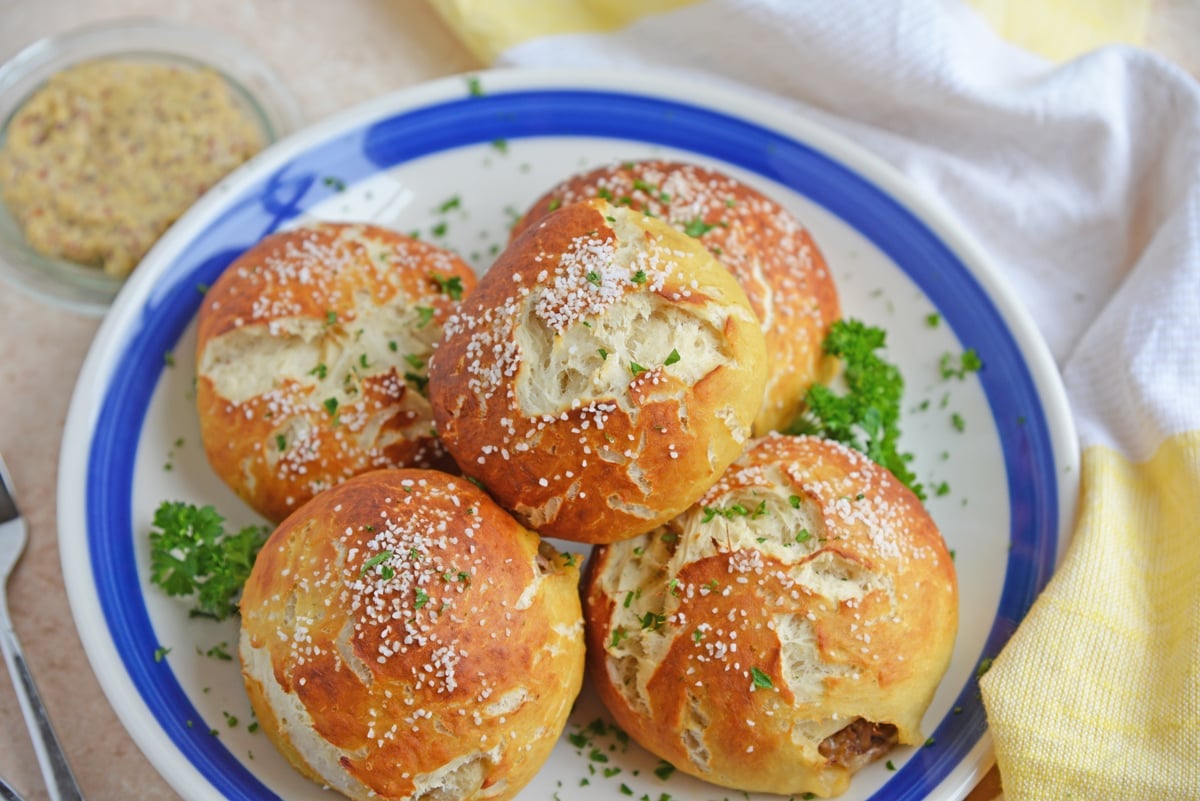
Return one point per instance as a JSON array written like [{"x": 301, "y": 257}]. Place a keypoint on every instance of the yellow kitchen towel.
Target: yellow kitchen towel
[
  {"x": 1054, "y": 28},
  {"x": 1081, "y": 179},
  {"x": 490, "y": 27},
  {"x": 1060, "y": 29},
  {"x": 1099, "y": 690}
]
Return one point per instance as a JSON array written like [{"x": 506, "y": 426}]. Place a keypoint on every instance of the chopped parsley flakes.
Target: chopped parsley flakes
[
  {"x": 449, "y": 285},
  {"x": 697, "y": 227},
  {"x": 959, "y": 367}
]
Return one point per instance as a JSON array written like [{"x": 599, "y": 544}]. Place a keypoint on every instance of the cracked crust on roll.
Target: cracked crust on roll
[
  {"x": 601, "y": 377},
  {"x": 782, "y": 632},
  {"x": 770, "y": 253},
  {"x": 405, "y": 638},
  {"x": 311, "y": 360}
]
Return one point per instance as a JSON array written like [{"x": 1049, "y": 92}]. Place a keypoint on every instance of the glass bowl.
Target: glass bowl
[{"x": 255, "y": 86}]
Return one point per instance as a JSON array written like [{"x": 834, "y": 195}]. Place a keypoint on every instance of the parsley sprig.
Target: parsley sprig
[
  {"x": 866, "y": 417},
  {"x": 191, "y": 554}
]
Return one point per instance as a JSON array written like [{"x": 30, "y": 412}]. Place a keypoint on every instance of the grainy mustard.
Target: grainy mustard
[{"x": 104, "y": 157}]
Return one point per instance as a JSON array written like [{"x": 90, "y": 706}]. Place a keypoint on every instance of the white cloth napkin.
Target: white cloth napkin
[{"x": 1082, "y": 181}]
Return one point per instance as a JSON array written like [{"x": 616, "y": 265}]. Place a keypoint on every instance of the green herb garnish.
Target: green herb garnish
[
  {"x": 219, "y": 652},
  {"x": 375, "y": 561},
  {"x": 867, "y": 416},
  {"x": 417, "y": 380},
  {"x": 959, "y": 367},
  {"x": 192, "y": 555},
  {"x": 652, "y": 621},
  {"x": 450, "y": 285},
  {"x": 761, "y": 680}
]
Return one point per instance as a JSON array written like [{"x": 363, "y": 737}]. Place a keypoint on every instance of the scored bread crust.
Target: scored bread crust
[
  {"x": 403, "y": 637},
  {"x": 603, "y": 374},
  {"x": 807, "y": 599},
  {"x": 311, "y": 360},
  {"x": 770, "y": 253}
]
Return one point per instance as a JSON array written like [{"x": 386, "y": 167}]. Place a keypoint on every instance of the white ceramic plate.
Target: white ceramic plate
[{"x": 494, "y": 142}]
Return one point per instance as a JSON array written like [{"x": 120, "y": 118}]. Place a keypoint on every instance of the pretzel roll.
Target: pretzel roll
[
  {"x": 311, "y": 360},
  {"x": 403, "y": 637},
  {"x": 772, "y": 256},
  {"x": 602, "y": 376},
  {"x": 782, "y": 632}
]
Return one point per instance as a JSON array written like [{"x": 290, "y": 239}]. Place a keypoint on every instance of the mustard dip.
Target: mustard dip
[{"x": 104, "y": 157}]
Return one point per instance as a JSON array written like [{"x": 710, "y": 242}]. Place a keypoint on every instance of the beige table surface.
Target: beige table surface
[{"x": 333, "y": 54}]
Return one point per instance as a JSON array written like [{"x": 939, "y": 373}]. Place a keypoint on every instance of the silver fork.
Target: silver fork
[{"x": 55, "y": 770}]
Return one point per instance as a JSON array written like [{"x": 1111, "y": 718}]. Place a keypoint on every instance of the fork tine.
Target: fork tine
[
  {"x": 7, "y": 503},
  {"x": 7, "y": 793}
]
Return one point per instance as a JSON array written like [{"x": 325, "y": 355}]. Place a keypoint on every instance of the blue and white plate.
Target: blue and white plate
[{"x": 458, "y": 160}]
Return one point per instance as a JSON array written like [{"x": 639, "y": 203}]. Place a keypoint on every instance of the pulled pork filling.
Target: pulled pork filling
[{"x": 859, "y": 743}]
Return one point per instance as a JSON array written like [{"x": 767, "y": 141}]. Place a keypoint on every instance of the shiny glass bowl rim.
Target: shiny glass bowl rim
[{"x": 88, "y": 289}]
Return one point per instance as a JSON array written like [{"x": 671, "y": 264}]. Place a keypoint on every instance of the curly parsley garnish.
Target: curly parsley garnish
[
  {"x": 191, "y": 554},
  {"x": 867, "y": 416}
]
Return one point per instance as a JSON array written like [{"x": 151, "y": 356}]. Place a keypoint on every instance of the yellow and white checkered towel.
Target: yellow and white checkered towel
[{"x": 1082, "y": 179}]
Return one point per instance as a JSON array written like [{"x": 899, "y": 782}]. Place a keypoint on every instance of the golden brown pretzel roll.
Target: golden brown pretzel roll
[
  {"x": 603, "y": 374},
  {"x": 771, "y": 254},
  {"x": 783, "y": 631},
  {"x": 311, "y": 360},
  {"x": 403, "y": 637}
]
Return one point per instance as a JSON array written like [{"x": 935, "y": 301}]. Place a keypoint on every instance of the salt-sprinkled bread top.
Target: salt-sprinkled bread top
[
  {"x": 404, "y": 636},
  {"x": 772, "y": 255},
  {"x": 787, "y": 628},
  {"x": 601, "y": 377},
  {"x": 311, "y": 360}
]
